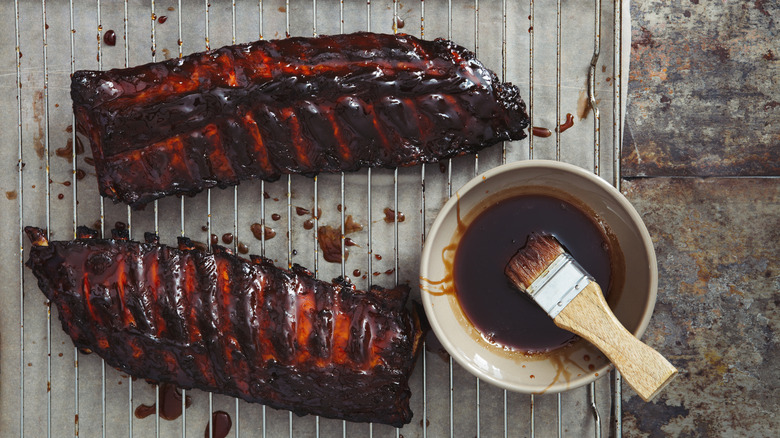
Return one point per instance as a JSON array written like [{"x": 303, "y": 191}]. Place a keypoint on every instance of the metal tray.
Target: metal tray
[{"x": 562, "y": 56}]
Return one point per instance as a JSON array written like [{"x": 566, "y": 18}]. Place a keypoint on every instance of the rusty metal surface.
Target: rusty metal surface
[
  {"x": 704, "y": 89},
  {"x": 716, "y": 318}
]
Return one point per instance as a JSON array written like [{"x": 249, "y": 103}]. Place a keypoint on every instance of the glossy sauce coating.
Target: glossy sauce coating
[
  {"x": 240, "y": 327},
  {"x": 504, "y": 315},
  {"x": 298, "y": 105}
]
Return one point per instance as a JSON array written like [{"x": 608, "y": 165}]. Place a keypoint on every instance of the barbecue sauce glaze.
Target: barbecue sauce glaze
[{"x": 505, "y": 316}]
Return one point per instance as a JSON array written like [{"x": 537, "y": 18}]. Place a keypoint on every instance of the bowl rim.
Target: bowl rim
[{"x": 449, "y": 207}]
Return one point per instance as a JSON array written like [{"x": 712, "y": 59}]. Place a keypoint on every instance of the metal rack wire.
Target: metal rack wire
[{"x": 80, "y": 394}]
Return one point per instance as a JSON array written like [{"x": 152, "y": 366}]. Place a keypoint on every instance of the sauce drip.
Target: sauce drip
[
  {"x": 502, "y": 314},
  {"x": 567, "y": 124},
  {"x": 300, "y": 211},
  {"x": 262, "y": 232},
  {"x": 170, "y": 404},
  {"x": 540, "y": 132},
  {"x": 220, "y": 425},
  {"x": 109, "y": 38},
  {"x": 227, "y": 238},
  {"x": 391, "y": 216},
  {"x": 308, "y": 224}
]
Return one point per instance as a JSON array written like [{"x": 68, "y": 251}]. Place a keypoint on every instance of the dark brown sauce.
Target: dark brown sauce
[
  {"x": 60, "y": 196},
  {"x": 503, "y": 315},
  {"x": 11, "y": 195},
  {"x": 220, "y": 425},
  {"x": 90, "y": 161},
  {"x": 242, "y": 248},
  {"x": 377, "y": 256},
  {"x": 540, "y": 132},
  {"x": 308, "y": 224},
  {"x": 276, "y": 216},
  {"x": 349, "y": 242},
  {"x": 266, "y": 195},
  {"x": 214, "y": 239},
  {"x": 399, "y": 23},
  {"x": 300, "y": 211},
  {"x": 80, "y": 174},
  {"x": 227, "y": 238},
  {"x": 339, "y": 207},
  {"x": 389, "y": 271},
  {"x": 162, "y": 19},
  {"x": 567, "y": 124},
  {"x": 356, "y": 273},
  {"x": 109, "y": 38},
  {"x": 170, "y": 404}
]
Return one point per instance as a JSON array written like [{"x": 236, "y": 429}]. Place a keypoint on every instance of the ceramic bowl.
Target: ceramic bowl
[{"x": 565, "y": 368}]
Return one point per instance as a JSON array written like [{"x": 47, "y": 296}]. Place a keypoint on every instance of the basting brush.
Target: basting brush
[{"x": 555, "y": 281}]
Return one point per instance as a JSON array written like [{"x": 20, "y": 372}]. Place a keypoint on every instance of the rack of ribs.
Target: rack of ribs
[
  {"x": 222, "y": 323},
  {"x": 291, "y": 106}
]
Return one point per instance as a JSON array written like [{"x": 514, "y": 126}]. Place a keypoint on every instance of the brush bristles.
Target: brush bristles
[{"x": 532, "y": 259}]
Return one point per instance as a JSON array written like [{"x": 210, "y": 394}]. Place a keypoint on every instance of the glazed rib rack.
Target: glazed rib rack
[{"x": 564, "y": 59}]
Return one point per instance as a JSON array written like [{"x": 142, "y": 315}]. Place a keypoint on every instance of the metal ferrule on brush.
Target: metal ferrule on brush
[{"x": 557, "y": 285}]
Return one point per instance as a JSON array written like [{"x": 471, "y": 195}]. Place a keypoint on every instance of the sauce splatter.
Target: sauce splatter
[
  {"x": 220, "y": 425},
  {"x": 567, "y": 124},
  {"x": 227, "y": 238},
  {"x": 170, "y": 404},
  {"x": 109, "y": 38},
  {"x": 329, "y": 239},
  {"x": 260, "y": 232},
  {"x": 540, "y": 132},
  {"x": 391, "y": 216}
]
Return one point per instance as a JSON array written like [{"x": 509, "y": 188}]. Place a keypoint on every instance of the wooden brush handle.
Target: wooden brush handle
[{"x": 643, "y": 368}]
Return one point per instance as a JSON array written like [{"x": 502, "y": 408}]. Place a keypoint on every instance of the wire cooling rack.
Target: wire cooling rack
[{"x": 565, "y": 56}]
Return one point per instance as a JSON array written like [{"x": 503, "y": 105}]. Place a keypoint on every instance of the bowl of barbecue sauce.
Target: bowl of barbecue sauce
[{"x": 498, "y": 333}]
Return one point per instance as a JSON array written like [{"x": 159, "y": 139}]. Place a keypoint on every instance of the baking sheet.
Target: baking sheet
[{"x": 48, "y": 389}]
